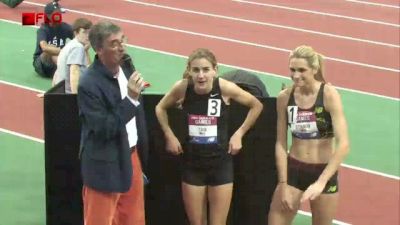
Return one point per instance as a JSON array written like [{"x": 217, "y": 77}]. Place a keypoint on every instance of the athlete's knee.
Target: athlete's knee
[
  {"x": 46, "y": 58},
  {"x": 198, "y": 222},
  {"x": 219, "y": 222}
]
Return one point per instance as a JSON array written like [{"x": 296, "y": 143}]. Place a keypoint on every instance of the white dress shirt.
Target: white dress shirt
[{"x": 131, "y": 125}]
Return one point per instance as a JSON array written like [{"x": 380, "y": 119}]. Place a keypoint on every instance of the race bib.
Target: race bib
[
  {"x": 302, "y": 123},
  {"x": 203, "y": 129}
]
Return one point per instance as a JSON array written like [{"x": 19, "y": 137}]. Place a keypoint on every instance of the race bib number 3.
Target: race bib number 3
[{"x": 214, "y": 107}]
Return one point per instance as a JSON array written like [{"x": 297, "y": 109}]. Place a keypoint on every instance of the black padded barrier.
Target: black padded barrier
[
  {"x": 62, "y": 166},
  {"x": 255, "y": 173}
]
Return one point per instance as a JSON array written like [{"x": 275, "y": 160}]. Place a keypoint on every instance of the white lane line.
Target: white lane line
[
  {"x": 338, "y": 222},
  {"x": 21, "y": 86},
  {"x": 319, "y": 13},
  {"x": 265, "y": 24},
  {"x": 21, "y": 135},
  {"x": 223, "y": 39},
  {"x": 375, "y": 4},
  {"x": 371, "y": 171},
  {"x": 344, "y": 165},
  {"x": 363, "y": 64},
  {"x": 234, "y": 67},
  {"x": 11, "y": 21}
]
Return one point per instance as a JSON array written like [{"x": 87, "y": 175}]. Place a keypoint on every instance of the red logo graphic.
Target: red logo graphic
[{"x": 32, "y": 18}]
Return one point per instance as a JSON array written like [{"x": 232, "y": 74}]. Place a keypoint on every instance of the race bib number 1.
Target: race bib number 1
[{"x": 292, "y": 114}]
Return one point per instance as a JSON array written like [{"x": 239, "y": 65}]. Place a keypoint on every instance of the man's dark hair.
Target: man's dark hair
[{"x": 100, "y": 32}]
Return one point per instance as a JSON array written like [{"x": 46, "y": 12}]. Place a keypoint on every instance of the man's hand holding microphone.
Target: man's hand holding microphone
[{"x": 136, "y": 84}]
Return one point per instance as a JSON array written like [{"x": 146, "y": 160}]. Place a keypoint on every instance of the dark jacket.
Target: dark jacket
[{"x": 105, "y": 154}]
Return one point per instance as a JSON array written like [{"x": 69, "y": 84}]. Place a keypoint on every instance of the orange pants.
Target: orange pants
[{"x": 101, "y": 208}]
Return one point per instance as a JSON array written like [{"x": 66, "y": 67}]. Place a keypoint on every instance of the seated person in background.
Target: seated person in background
[
  {"x": 63, "y": 10},
  {"x": 74, "y": 57},
  {"x": 15, "y": 3},
  {"x": 51, "y": 38},
  {"x": 12, "y": 3}
]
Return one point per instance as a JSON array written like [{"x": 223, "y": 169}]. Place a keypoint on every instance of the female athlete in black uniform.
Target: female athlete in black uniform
[
  {"x": 207, "y": 174},
  {"x": 313, "y": 111}
]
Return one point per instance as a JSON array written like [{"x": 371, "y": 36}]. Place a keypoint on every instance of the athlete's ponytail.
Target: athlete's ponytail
[{"x": 320, "y": 69}]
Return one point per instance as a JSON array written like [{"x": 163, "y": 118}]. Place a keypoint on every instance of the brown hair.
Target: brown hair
[
  {"x": 314, "y": 59},
  {"x": 200, "y": 53},
  {"x": 81, "y": 23},
  {"x": 185, "y": 75}
]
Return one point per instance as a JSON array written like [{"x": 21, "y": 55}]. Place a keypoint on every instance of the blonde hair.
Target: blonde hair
[
  {"x": 200, "y": 53},
  {"x": 314, "y": 59}
]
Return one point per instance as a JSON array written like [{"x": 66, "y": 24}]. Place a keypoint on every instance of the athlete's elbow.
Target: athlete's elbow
[
  {"x": 260, "y": 105},
  {"x": 257, "y": 105},
  {"x": 344, "y": 148},
  {"x": 158, "y": 109}
]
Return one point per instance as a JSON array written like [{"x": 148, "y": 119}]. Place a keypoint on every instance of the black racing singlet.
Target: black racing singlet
[
  {"x": 312, "y": 123},
  {"x": 206, "y": 119}
]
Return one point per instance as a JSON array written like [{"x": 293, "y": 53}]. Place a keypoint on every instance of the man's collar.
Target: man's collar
[{"x": 103, "y": 70}]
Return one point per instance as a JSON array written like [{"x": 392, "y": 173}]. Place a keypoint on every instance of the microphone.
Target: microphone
[
  {"x": 128, "y": 67},
  {"x": 127, "y": 64}
]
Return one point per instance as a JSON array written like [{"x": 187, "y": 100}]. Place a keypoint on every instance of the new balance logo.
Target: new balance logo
[{"x": 332, "y": 189}]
